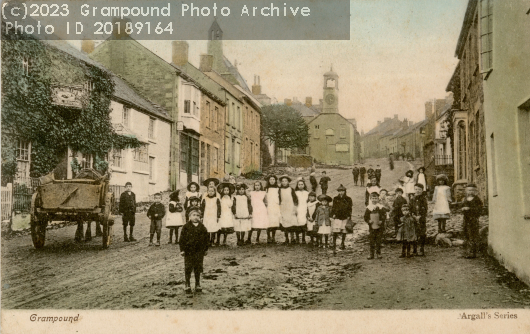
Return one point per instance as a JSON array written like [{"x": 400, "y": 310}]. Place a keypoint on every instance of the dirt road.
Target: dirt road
[{"x": 65, "y": 275}]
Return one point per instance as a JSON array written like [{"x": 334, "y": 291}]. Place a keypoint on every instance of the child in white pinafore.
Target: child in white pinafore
[
  {"x": 242, "y": 210},
  {"x": 273, "y": 208},
  {"x": 211, "y": 182},
  {"x": 211, "y": 211},
  {"x": 174, "y": 217},
  {"x": 441, "y": 199},
  {"x": 260, "y": 217},
  {"x": 288, "y": 204},
  {"x": 226, "y": 221},
  {"x": 312, "y": 205},
  {"x": 193, "y": 191},
  {"x": 409, "y": 184},
  {"x": 301, "y": 211}
]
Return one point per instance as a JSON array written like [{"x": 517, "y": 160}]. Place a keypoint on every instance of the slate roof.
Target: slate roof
[
  {"x": 304, "y": 110},
  {"x": 233, "y": 70}
]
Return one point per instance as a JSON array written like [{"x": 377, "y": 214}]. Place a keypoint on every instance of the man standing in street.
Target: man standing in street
[
  {"x": 377, "y": 174},
  {"x": 362, "y": 173},
  {"x": 355, "y": 173}
]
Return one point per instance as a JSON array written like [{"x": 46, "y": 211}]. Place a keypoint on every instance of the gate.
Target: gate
[
  {"x": 7, "y": 201},
  {"x": 23, "y": 189}
]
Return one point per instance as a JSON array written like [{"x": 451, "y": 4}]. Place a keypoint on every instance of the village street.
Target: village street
[{"x": 131, "y": 275}]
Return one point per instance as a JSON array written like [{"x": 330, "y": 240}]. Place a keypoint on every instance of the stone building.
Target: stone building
[
  {"x": 371, "y": 140},
  {"x": 505, "y": 71},
  {"x": 168, "y": 86},
  {"x": 468, "y": 120},
  {"x": 331, "y": 135}
]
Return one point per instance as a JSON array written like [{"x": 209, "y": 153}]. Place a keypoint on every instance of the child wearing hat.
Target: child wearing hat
[
  {"x": 242, "y": 210},
  {"x": 322, "y": 219},
  {"x": 418, "y": 208},
  {"x": 226, "y": 220},
  {"x": 374, "y": 216},
  {"x": 193, "y": 191},
  {"x": 341, "y": 211},
  {"x": 193, "y": 246},
  {"x": 273, "y": 207},
  {"x": 399, "y": 201},
  {"x": 288, "y": 203},
  {"x": 211, "y": 182},
  {"x": 441, "y": 199},
  {"x": 211, "y": 210},
  {"x": 193, "y": 202},
  {"x": 174, "y": 219},
  {"x": 260, "y": 217},
  {"x": 472, "y": 209},
  {"x": 312, "y": 205},
  {"x": 407, "y": 231}
]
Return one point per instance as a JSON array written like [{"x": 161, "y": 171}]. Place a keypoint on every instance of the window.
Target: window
[
  {"x": 462, "y": 150},
  {"x": 88, "y": 86},
  {"x": 342, "y": 147},
  {"x": 140, "y": 154},
  {"x": 208, "y": 159},
  {"x": 187, "y": 106},
  {"x": 486, "y": 35},
  {"x": 228, "y": 150},
  {"x": 151, "y": 128},
  {"x": 330, "y": 83},
  {"x": 238, "y": 118},
  {"x": 86, "y": 160},
  {"x": 126, "y": 116},
  {"x": 208, "y": 114},
  {"x": 26, "y": 64},
  {"x": 493, "y": 166},
  {"x": 151, "y": 168},
  {"x": 23, "y": 150},
  {"x": 330, "y": 132},
  {"x": 184, "y": 152},
  {"x": 117, "y": 158},
  {"x": 231, "y": 120},
  {"x": 343, "y": 132},
  {"x": 214, "y": 118},
  {"x": 477, "y": 139},
  {"x": 194, "y": 156},
  {"x": 215, "y": 159},
  {"x": 316, "y": 130},
  {"x": 203, "y": 160},
  {"x": 472, "y": 145},
  {"x": 195, "y": 109}
]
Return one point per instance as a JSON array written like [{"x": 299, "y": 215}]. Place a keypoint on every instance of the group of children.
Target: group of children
[{"x": 359, "y": 173}]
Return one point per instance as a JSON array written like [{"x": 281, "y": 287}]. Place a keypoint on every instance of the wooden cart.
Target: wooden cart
[{"x": 85, "y": 198}]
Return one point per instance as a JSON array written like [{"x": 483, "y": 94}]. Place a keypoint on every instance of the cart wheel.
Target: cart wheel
[
  {"x": 107, "y": 235},
  {"x": 38, "y": 233}
]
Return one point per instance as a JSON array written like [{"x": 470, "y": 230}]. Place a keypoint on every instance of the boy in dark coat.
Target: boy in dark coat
[
  {"x": 471, "y": 208},
  {"x": 324, "y": 182},
  {"x": 127, "y": 210},
  {"x": 313, "y": 181},
  {"x": 375, "y": 216},
  {"x": 193, "y": 246},
  {"x": 370, "y": 172},
  {"x": 355, "y": 173},
  {"x": 377, "y": 174},
  {"x": 156, "y": 212},
  {"x": 341, "y": 211},
  {"x": 418, "y": 208},
  {"x": 362, "y": 173},
  {"x": 396, "y": 208}
]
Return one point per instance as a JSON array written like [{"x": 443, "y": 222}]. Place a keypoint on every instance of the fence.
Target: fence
[
  {"x": 23, "y": 189},
  {"x": 7, "y": 201}
]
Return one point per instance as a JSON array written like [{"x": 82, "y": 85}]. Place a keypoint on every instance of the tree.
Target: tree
[{"x": 284, "y": 127}]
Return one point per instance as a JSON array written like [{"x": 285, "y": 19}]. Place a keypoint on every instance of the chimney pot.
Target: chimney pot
[
  {"x": 206, "y": 63},
  {"x": 309, "y": 101},
  {"x": 288, "y": 102},
  {"x": 180, "y": 53},
  {"x": 256, "y": 88}
]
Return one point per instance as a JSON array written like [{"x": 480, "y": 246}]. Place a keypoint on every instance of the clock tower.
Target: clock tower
[{"x": 331, "y": 92}]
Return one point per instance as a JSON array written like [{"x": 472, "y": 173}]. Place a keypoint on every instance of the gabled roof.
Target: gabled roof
[
  {"x": 250, "y": 99},
  {"x": 124, "y": 92},
  {"x": 207, "y": 85},
  {"x": 330, "y": 114}
]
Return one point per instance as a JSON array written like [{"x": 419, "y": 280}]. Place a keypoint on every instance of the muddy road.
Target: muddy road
[{"x": 66, "y": 275}]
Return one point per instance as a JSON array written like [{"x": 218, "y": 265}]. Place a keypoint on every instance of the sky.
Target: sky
[{"x": 401, "y": 53}]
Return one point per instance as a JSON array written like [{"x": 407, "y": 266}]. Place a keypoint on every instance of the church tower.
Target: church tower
[
  {"x": 331, "y": 92},
  {"x": 215, "y": 47}
]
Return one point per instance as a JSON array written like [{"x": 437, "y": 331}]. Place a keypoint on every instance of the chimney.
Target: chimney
[
  {"x": 428, "y": 109},
  {"x": 387, "y": 119},
  {"x": 206, "y": 63},
  {"x": 395, "y": 116},
  {"x": 256, "y": 87},
  {"x": 295, "y": 99},
  {"x": 308, "y": 101},
  {"x": 378, "y": 122},
  {"x": 180, "y": 53},
  {"x": 87, "y": 46},
  {"x": 288, "y": 102}
]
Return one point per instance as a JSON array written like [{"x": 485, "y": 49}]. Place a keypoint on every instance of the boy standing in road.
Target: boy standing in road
[
  {"x": 193, "y": 246},
  {"x": 341, "y": 211},
  {"x": 377, "y": 174},
  {"x": 471, "y": 207},
  {"x": 399, "y": 201},
  {"x": 127, "y": 210},
  {"x": 156, "y": 212},
  {"x": 375, "y": 216},
  {"x": 362, "y": 173},
  {"x": 355, "y": 173},
  {"x": 419, "y": 207},
  {"x": 324, "y": 182}
]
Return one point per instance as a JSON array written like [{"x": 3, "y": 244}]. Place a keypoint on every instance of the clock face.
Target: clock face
[{"x": 330, "y": 98}]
